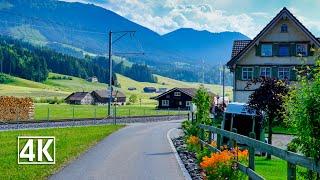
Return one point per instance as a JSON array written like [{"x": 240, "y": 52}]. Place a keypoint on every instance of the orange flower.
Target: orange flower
[
  {"x": 213, "y": 143},
  {"x": 194, "y": 140}
]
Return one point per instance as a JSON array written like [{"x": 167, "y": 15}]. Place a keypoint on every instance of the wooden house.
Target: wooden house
[
  {"x": 80, "y": 98},
  {"x": 101, "y": 97},
  {"x": 176, "y": 98},
  {"x": 275, "y": 52}
]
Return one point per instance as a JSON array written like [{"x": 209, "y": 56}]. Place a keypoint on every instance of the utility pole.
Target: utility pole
[
  {"x": 111, "y": 42},
  {"x": 110, "y": 74}
]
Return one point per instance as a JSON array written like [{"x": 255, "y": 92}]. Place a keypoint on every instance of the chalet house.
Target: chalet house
[
  {"x": 176, "y": 98},
  {"x": 101, "y": 97},
  {"x": 80, "y": 98},
  {"x": 275, "y": 52}
]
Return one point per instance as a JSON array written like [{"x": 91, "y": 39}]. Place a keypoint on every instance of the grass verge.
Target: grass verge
[
  {"x": 66, "y": 111},
  {"x": 70, "y": 143}
]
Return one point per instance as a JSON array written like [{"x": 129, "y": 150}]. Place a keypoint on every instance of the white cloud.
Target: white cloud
[{"x": 168, "y": 15}]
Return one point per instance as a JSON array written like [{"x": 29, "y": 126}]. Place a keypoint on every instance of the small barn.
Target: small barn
[
  {"x": 149, "y": 89},
  {"x": 176, "y": 98},
  {"x": 80, "y": 98},
  {"x": 93, "y": 79},
  {"x": 102, "y": 97}
]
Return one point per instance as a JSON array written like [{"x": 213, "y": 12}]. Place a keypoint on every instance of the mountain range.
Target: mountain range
[{"x": 75, "y": 28}]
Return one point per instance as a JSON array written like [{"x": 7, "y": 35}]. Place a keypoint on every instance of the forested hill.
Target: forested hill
[{"x": 32, "y": 62}]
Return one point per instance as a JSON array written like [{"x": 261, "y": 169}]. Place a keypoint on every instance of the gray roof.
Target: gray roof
[
  {"x": 76, "y": 96},
  {"x": 103, "y": 93}
]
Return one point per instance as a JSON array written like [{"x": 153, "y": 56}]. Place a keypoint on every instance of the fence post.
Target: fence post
[
  {"x": 252, "y": 153},
  {"x": 233, "y": 142},
  {"x": 219, "y": 138},
  {"x": 48, "y": 114},
  {"x": 209, "y": 137},
  {"x": 201, "y": 137},
  {"x": 291, "y": 171}
]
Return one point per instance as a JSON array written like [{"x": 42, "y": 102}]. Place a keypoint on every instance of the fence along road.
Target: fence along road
[{"x": 136, "y": 152}]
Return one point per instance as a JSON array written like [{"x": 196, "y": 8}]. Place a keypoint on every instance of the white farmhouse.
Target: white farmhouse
[{"x": 274, "y": 52}]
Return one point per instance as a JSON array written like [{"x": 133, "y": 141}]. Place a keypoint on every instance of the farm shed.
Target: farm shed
[
  {"x": 80, "y": 98},
  {"x": 101, "y": 97},
  {"x": 149, "y": 89}
]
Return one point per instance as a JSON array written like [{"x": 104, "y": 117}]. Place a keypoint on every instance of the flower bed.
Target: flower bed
[{"x": 203, "y": 164}]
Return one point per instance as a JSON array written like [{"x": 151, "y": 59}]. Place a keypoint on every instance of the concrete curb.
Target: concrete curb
[{"x": 181, "y": 165}]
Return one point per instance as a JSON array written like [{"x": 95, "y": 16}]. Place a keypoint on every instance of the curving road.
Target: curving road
[{"x": 138, "y": 151}]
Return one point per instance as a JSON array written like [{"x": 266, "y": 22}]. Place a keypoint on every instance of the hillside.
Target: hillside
[
  {"x": 75, "y": 27},
  {"x": 62, "y": 88},
  {"x": 163, "y": 82}
]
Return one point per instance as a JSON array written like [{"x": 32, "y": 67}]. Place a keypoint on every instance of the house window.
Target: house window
[
  {"x": 284, "y": 28},
  {"x": 180, "y": 103},
  {"x": 302, "y": 49},
  {"x": 188, "y": 103},
  {"x": 284, "y": 50},
  {"x": 266, "y": 50},
  {"x": 265, "y": 72},
  {"x": 247, "y": 73},
  {"x": 177, "y": 93},
  {"x": 165, "y": 102},
  {"x": 283, "y": 73}
]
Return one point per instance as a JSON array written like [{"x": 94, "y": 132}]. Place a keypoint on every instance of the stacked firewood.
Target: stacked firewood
[{"x": 16, "y": 109}]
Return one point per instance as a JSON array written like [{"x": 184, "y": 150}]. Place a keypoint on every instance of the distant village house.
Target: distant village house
[
  {"x": 95, "y": 97},
  {"x": 149, "y": 89},
  {"x": 93, "y": 79},
  {"x": 80, "y": 98}
]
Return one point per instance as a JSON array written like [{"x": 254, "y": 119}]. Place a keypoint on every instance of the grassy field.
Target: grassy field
[
  {"x": 65, "y": 111},
  {"x": 275, "y": 169},
  {"x": 70, "y": 143}
]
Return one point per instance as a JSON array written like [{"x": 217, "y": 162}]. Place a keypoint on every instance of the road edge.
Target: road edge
[{"x": 181, "y": 165}]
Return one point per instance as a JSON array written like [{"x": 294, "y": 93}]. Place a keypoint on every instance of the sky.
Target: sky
[{"x": 245, "y": 16}]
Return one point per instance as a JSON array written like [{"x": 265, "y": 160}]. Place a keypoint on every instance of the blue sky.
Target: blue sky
[{"x": 245, "y": 16}]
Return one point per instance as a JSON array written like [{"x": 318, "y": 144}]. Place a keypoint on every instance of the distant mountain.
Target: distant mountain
[
  {"x": 75, "y": 27},
  {"x": 203, "y": 45}
]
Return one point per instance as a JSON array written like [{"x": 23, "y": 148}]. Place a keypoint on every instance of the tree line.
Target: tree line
[{"x": 31, "y": 62}]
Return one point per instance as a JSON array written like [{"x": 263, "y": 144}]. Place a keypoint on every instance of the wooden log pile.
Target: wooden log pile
[{"x": 16, "y": 109}]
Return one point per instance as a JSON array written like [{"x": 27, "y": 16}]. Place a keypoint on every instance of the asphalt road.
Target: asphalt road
[{"x": 138, "y": 151}]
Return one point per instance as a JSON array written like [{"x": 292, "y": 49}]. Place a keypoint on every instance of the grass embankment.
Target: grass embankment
[
  {"x": 65, "y": 111},
  {"x": 70, "y": 143}
]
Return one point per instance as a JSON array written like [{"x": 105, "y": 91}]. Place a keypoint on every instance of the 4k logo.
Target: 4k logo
[{"x": 36, "y": 150}]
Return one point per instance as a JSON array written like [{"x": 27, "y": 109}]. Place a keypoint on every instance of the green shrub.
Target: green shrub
[
  {"x": 5, "y": 79},
  {"x": 189, "y": 128}
]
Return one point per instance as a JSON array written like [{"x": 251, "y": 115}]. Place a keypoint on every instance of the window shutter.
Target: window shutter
[
  {"x": 275, "y": 49},
  {"x": 258, "y": 50},
  {"x": 275, "y": 72},
  {"x": 293, "y": 49},
  {"x": 293, "y": 74},
  {"x": 256, "y": 72},
  {"x": 238, "y": 73}
]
